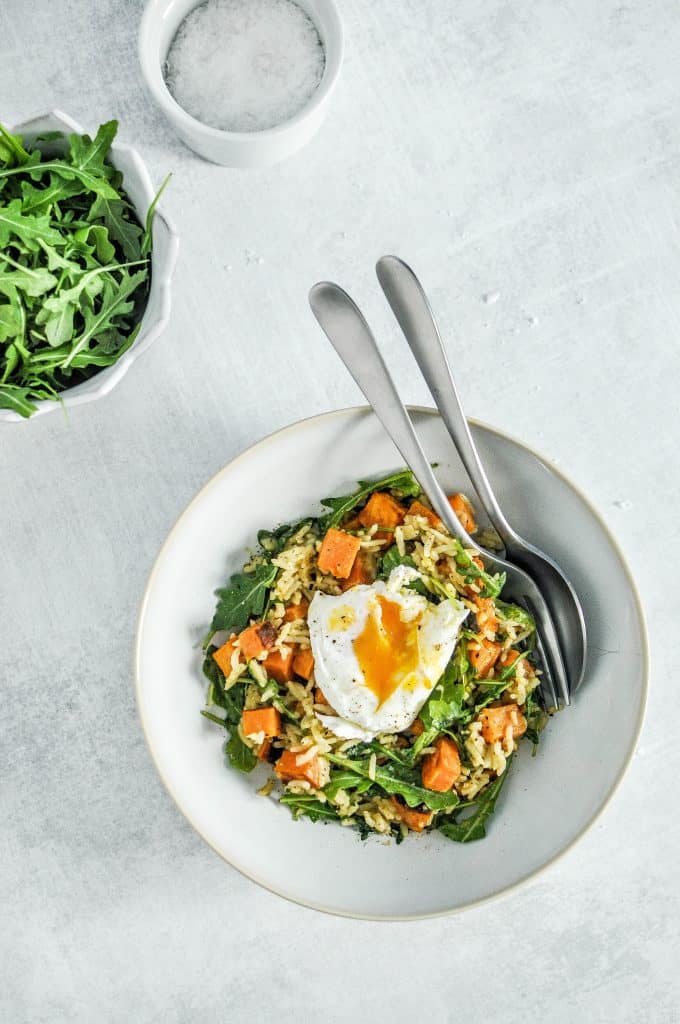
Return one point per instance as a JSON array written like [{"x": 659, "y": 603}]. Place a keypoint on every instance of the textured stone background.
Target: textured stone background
[{"x": 529, "y": 149}]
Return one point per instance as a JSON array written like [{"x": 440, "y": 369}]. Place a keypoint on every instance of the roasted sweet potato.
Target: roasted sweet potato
[
  {"x": 223, "y": 655},
  {"x": 303, "y": 663},
  {"x": 337, "y": 554},
  {"x": 484, "y": 657},
  {"x": 416, "y": 508},
  {"x": 266, "y": 720},
  {"x": 296, "y": 611},
  {"x": 287, "y": 768},
  {"x": 280, "y": 666},
  {"x": 360, "y": 573},
  {"x": 495, "y": 722},
  {"x": 465, "y": 512},
  {"x": 256, "y": 639},
  {"x": 441, "y": 768},
  {"x": 382, "y": 509},
  {"x": 417, "y": 821}
]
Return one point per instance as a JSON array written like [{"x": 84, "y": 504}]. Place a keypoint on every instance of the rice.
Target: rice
[{"x": 297, "y": 565}]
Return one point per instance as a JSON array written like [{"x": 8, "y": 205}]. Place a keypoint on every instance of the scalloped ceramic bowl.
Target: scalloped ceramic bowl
[{"x": 138, "y": 186}]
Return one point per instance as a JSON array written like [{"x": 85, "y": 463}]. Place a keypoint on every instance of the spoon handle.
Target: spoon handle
[
  {"x": 414, "y": 315},
  {"x": 351, "y": 337}
]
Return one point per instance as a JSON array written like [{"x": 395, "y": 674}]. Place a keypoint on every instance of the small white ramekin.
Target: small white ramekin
[
  {"x": 160, "y": 22},
  {"x": 138, "y": 185}
]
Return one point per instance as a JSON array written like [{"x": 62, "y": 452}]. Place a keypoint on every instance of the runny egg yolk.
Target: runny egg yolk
[{"x": 387, "y": 650}]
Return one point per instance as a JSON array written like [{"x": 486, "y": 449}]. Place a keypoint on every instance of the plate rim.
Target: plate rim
[{"x": 530, "y": 875}]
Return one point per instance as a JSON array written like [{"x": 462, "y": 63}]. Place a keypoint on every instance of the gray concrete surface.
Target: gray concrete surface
[{"x": 526, "y": 149}]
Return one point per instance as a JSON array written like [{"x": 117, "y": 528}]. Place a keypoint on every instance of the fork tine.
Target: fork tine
[
  {"x": 549, "y": 652},
  {"x": 547, "y": 684}
]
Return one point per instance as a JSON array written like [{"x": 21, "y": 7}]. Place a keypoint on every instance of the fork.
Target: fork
[
  {"x": 351, "y": 337},
  {"x": 412, "y": 310}
]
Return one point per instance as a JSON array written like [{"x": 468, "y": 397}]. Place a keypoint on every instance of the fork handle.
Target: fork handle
[
  {"x": 414, "y": 315},
  {"x": 351, "y": 337}
]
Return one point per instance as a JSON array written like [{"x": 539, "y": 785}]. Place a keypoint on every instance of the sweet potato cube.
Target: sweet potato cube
[
  {"x": 223, "y": 655},
  {"x": 266, "y": 720},
  {"x": 442, "y": 767},
  {"x": 465, "y": 512},
  {"x": 417, "y": 821},
  {"x": 495, "y": 722},
  {"x": 382, "y": 509},
  {"x": 303, "y": 663},
  {"x": 296, "y": 611},
  {"x": 416, "y": 508},
  {"x": 484, "y": 657},
  {"x": 257, "y": 639},
  {"x": 360, "y": 573},
  {"x": 338, "y": 551},
  {"x": 287, "y": 768},
  {"x": 280, "y": 666}
]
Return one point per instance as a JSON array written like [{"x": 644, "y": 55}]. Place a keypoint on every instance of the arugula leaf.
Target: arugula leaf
[
  {"x": 404, "y": 782},
  {"x": 446, "y": 702},
  {"x": 28, "y": 228},
  {"x": 213, "y": 718},
  {"x": 91, "y": 182},
  {"x": 148, "y": 224},
  {"x": 244, "y": 598},
  {"x": 55, "y": 192},
  {"x": 474, "y": 826},
  {"x": 118, "y": 218},
  {"x": 343, "y": 779},
  {"x": 240, "y": 756},
  {"x": 388, "y": 752},
  {"x": 11, "y": 149},
  {"x": 306, "y": 805},
  {"x": 32, "y": 282},
  {"x": 11, "y": 321},
  {"x": 391, "y": 559},
  {"x": 16, "y": 399},
  {"x": 403, "y": 482},
  {"x": 537, "y": 719},
  {"x": 90, "y": 155},
  {"x": 114, "y": 303},
  {"x": 493, "y": 585},
  {"x": 94, "y": 238}
]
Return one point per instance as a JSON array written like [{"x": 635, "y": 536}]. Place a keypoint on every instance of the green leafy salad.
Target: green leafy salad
[
  {"x": 75, "y": 264},
  {"x": 366, "y": 660}
]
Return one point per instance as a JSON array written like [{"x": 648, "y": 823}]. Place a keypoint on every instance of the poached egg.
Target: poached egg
[{"x": 379, "y": 651}]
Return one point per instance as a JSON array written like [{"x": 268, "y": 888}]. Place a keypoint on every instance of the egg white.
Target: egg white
[{"x": 334, "y": 625}]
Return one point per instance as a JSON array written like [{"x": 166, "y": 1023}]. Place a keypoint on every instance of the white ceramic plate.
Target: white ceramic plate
[{"x": 548, "y": 801}]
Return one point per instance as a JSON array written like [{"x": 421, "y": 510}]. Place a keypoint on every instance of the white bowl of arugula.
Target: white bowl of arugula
[{"x": 86, "y": 260}]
